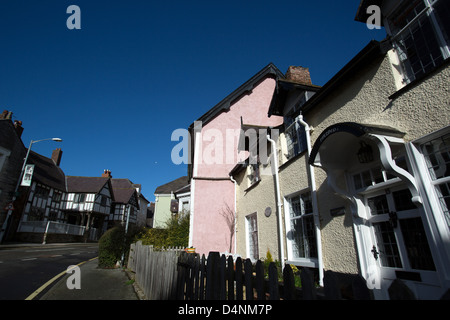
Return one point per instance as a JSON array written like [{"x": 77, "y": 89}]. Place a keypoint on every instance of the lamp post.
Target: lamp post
[{"x": 5, "y": 223}]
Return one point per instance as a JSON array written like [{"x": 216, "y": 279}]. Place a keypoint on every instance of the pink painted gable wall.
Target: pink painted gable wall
[{"x": 211, "y": 232}]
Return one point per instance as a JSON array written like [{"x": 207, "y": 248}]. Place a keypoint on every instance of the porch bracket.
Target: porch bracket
[
  {"x": 356, "y": 205},
  {"x": 390, "y": 165}
]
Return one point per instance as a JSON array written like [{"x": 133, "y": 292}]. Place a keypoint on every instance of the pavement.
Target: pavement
[{"x": 95, "y": 284}]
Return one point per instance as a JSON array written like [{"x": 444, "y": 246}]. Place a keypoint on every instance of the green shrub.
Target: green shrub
[
  {"x": 113, "y": 244},
  {"x": 175, "y": 233}
]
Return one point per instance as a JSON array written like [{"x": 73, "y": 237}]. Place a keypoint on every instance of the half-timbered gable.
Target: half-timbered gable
[
  {"x": 45, "y": 196},
  {"x": 88, "y": 201},
  {"x": 126, "y": 202}
]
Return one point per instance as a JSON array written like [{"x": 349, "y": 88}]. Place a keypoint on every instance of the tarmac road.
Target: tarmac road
[{"x": 26, "y": 268}]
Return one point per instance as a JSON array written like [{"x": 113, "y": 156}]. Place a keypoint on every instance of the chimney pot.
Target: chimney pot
[{"x": 106, "y": 174}]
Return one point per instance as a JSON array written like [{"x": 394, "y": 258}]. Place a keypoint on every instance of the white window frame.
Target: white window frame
[
  {"x": 310, "y": 262},
  {"x": 297, "y": 137},
  {"x": 437, "y": 220},
  {"x": 428, "y": 11},
  {"x": 249, "y": 239}
]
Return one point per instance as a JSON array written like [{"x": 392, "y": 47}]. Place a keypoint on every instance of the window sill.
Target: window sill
[
  {"x": 304, "y": 262},
  {"x": 252, "y": 186},
  {"x": 420, "y": 79}
]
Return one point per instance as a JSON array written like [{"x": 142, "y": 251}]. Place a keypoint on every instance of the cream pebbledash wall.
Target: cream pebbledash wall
[
  {"x": 257, "y": 199},
  {"x": 419, "y": 110}
]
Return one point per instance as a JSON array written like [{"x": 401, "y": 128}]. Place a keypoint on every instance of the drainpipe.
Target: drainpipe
[
  {"x": 235, "y": 213},
  {"x": 314, "y": 200},
  {"x": 277, "y": 187}
]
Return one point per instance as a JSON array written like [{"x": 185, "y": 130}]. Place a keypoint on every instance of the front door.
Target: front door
[{"x": 400, "y": 242}]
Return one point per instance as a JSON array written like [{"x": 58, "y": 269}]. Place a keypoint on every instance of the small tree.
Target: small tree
[{"x": 230, "y": 219}]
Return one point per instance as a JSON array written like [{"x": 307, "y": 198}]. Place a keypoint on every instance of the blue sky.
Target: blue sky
[{"x": 115, "y": 90}]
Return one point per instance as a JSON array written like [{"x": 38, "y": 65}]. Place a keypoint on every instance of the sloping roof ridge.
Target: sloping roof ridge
[{"x": 249, "y": 85}]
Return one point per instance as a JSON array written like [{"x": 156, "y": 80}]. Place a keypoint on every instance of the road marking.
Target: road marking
[
  {"x": 49, "y": 282},
  {"x": 55, "y": 249},
  {"x": 28, "y": 259}
]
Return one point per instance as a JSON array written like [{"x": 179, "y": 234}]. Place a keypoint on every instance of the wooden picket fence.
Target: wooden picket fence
[
  {"x": 155, "y": 270},
  {"x": 222, "y": 278},
  {"x": 173, "y": 274}
]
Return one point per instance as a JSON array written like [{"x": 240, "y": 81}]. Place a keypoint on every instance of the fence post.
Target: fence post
[
  {"x": 331, "y": 288},
  {"x": 212, "y": 276},
  {"x": 196, "y": 275},
  {"x": 289, "y": 283},
  {"x": 222, "y": 278},
  {"x": 238, "y": 277},
  {"x": 201, "y": 293},
  {"x": 260, "y": 294},
  {"x": 248, "y": 273},
  {"x": 181, "y": 276},
  {"x": 190, "y": 276},
  {"x": 230, "y": 278},
  {"x": 273, "y": 282},
  {"x": 308, "y": 288}
]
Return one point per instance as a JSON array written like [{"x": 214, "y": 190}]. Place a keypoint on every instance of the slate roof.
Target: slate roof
[
  {"x": 85, "y": 184},
  {"x": 123, "y": 189},
  {"x": 46, "y": 171},
  {"x": 173, "y": 186}
]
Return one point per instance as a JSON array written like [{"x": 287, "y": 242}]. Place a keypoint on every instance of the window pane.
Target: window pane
[
  {"x": 402, "y": 200},
  {"x": 253, "y": 236},
  {"x": 310, "y": 237},
  {"x": 442, "y": 11},
  {"x": 307, "y": 203},
  {"x": 437, "y": 157},
  {"x": 357, "y": 181},
  {"x": 377, "y": 175},
  {"x": 416, "y": 244},
  {"x": 303, "y": 236},
  {"x": 298, "y": 249},
  {"x": 387, "y": 245},
  {"x": 443, "y": 192},
  {"x": 296, "y": 209},
  {"x": 378, "y": 205}
]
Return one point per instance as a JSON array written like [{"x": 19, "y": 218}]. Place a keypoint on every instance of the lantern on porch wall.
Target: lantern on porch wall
[{"x": 365, "y": 153}]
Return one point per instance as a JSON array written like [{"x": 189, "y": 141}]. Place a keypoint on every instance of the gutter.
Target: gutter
[
  {"x": 314, "y": 200},
  {"x": 277, "y": 187}
]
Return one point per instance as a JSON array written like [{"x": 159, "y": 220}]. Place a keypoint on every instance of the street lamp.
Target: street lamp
[{"x": 5, "y": 223}]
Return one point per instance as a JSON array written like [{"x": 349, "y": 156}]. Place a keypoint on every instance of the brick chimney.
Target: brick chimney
[
  {"x": 6, "y": 114},
  {"x": 56, "y": 156},
  {"x": 106, "y": 174},
  {"x": 18, "y": 127},
  {"x": 298, "y": 74}
]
